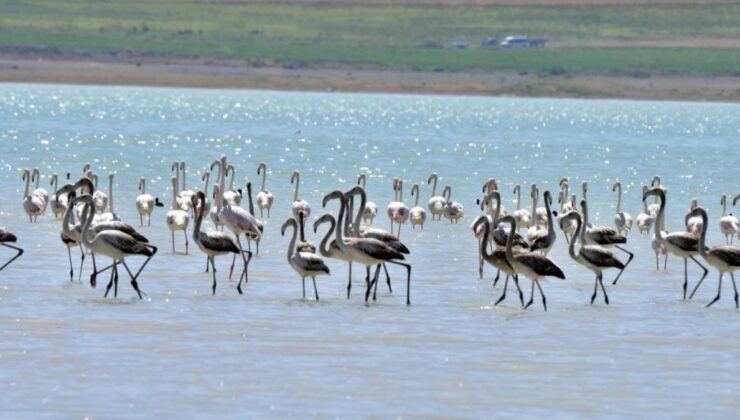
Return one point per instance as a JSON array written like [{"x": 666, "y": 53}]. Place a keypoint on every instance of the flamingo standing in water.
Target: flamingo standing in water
[
  {"x": 544, "y": 240},
  {"x": 567, "y": 226},
  {"x": 726, "y": 259},
  {"x": 264, "y": 197},
  {"x": 144, "y": 203},
  {"x": 417, "y": 214},
  {"x": 398, "y": 212},
  {"x": 116, "y": 245},
  {"x": 110, "y": 215},
  {"x": 681, "y": 244},
  {"x": 306, "y": 264},
  {"x": 299, "y": 206},
  {"x": 185, "y": 194},
  {"x": 622, "y": 220},
  {"x": 605, "y": 237},
  {"x": 39, "y": 192},
  {"x": 332, "y": 250},
  {"x": 366, "y": 251},
  {"x": 231, "y": 195},
  {"x": 177, "y": 219},
  {"x": 566, "y": 206},
  {"x": 6, "y": 238},
  {"x": 496, "y": 258},
  {"x": 33, "y": 205},
  {"x": 370, "y": 212},
  {"x": 645, "y": 219},
  {"x": 453, "y": 211},
  {"x": 521, "y": 215},
  {"x": 213, "y": 243},
  {"x": 694, "y": 224},
  {"x": 529, "y": 264},
  {"x": 593, "y": 257},
  {"x": 728, "y": 224},
  {"x": 436, "y": 203},
  {"x": 58, "y": 202}
]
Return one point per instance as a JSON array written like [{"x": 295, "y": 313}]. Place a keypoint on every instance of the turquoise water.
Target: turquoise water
[{"x": 66, "y": 351}]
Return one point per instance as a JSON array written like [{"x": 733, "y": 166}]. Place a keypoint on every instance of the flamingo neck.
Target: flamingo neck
[
  {"x": 484, "y": 240},
  {"x": 518, "y": 197},
  {"x": 358, "y": 218},
  {"x": 550, "y": 225},
  {"x": 400, "y": 191},
  {"x": 323, "y": 248},
  {"x": 659, "y": 222},
  {"x": 416, "y": 202},
  {"x": 534, "y": 205},
  {"x": 205, "y": 187},
  {"x": 297, "y": 182},
  {"x": 619, "y": 198},
  {"x": 184, "y": 177},
  {"x": 291, "y": 245},
  {"x": 87, "y": 223},
  {"x": 174, "y": 195},
  {"x": 110, "y": 194},
  {"x": 580, "y": 233},
  {"x": 434, "y": 186},
  {"x": 510, "y": 243},
  {"x": 264, "y": 178},
  {"x": 249, "y": 198},
  {"x": 340, "y": 218},
  {"x": 703, "y": 236},
  {"x": 724, "y": 206},
  {"x": 198, "y": 221},
  {"x": 28, "y": 183}
]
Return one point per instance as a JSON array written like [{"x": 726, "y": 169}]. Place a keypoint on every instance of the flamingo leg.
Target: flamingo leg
[
  {"x": 349, "y": 284},
  {"x": 20, "y": 252},
  {"x": 372, "y": 282},
  {"x": 315, "y": 291},
  {"x": 185, "y": 234},
  {"x": 734, "y": 286},
  {"x": 110, "y": 284},
  {"x": 503, "y": 295},
  {"x": 115, "y": 280},
  {"x": 665, "y": 262},
  {"x": 544, "y": 301},
  {"x": 531, "y": 297},
  {"x": 233, "y": 263},
  {"x": 82, "y": 262},
  {"x": 601, "y": 282},
  {"x": 596, "y": 288},
  {"x": 519, "y": 289},
  {"x": 719, "y": 289},
  {"x": 700, "y": 280},
  {"x": 408, "y": 279},
  {"x": 303, "y": 282},
  {"x": 71, "y": 267},
  {"x": 686, "y": 277},
  {"x": 631, "y": 255},
  {"x": 387, "y": 279},
  {"x": 173, "y": 241},
  {"x": 214, "y": 274},
  {"x": 245, "y": 274},
  {"x": 498, "y": 275}
]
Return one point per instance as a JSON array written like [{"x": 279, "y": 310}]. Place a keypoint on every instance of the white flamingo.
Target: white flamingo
[
  {"x": 694, "y": 224},
  {"x": 454, "y": 211},
  {"x": 398, "y": 212},
  {"x": 33, "y": 205},
  {"x": 264, "y": 197},
  {"x": 521, "y": 215},
  {"x": 568, "y": 226},
  {"x": 306, "y": 264},
  {"x": 39, "y": 192},
  {"x": 436, "y": 203},
  {"x": 110, "y": 215},
  {"x": 535, "y": 226},
  {"x": 726, "y": 259},
  {"x": 567, "y": 206},
  {"x": 177, "y": 219},
  {"x": 622, "y": 219},
  {"x": 645, "y": 219},
  {"x": 728, "y": 224},
  {"x": 299, "y": 206},
  {"x": 417, "y": 214},
  {"x": 59, "y": 202},
  {"x": 370, "y": 212},
  {"x": 144, "y": 203}
]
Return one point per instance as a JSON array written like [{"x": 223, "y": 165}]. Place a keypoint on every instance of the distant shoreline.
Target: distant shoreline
[{"x": 234, "y": 74}]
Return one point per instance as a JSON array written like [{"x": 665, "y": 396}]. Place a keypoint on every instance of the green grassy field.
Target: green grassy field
[{"x": 382, "y": 36}]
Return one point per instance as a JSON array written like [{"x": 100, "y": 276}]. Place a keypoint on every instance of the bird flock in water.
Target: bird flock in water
[{"x": 89, "y": 222}]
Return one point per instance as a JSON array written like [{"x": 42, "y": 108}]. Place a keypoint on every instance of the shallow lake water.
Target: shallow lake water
[{"x": 65, "y": 351}]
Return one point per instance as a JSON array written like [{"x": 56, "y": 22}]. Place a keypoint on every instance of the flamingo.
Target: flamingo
[
  {"x": 694, "y": 224},
  {"x": 366, "y": 251},
  {"x": 299, "y": 206},
  {"x": 436, "y": 203},
  {"x": 264, "y": 197},
  {"x": 236, "y": 219},
  {"x": 535, "y": 226},
  {"x": 521, "y": 215},
  {"x": 645, "y": 219},
  {"x": 728, "y": 224},
  {"x": 110, "y": 215},
  {"x": 544, "y": 240},
  {"x": 593, "y": 257},
  {"x": 529, "y": 264},
  {"x": 58, "y": 203},
  {"x": 6, "y": 238},
  {"x": 212, "y": 243},
  {"x": 99, "y": 198},
  {"x": 567, "y": 206},
  {"x": 258, "y": 222},
  {"x": 622, "y": 220},
  {"x": 681, "y": 244},
  {"x": 185, "y": 194},
  {"x": 654, "y": 207},
  {"x": 71, "y": 236},
  {"x": 496, "y": 258},
  {"x": 605, "y": 237},
  {"x": 398, "y": 212},
  {"x": 180, "y": 203},
  {"x": 417, "y": 214},
  {"x": 232, "y": 196},
  {"x": 306, "y": 264},
  {"x": 33, "y": 205},
  {"x": 497, "y": 233},
  {"x": 371, "y": 209},
  {"x": 453, "y": 211},
  {"x": 726, "y": 259},
  {"x": 539, "y": 212},
  {"x": 116, "y": 245},
  {"x": 332, "y": 250},
  {"x": 567, "y": 226},
  {"x": 489, "y": 187},
  {"x": 39, "y": 192},
  {"x": 144, "y": 203},
  {"x": 177, "y": 219},
  {"x": 205, "y": 203}
]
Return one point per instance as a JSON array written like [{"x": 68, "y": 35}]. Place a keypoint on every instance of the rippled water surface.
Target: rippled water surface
[{"x": 65, "y": 350}]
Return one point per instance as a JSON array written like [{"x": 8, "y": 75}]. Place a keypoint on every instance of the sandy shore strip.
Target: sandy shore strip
[{"x": 203, "y": 73}]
